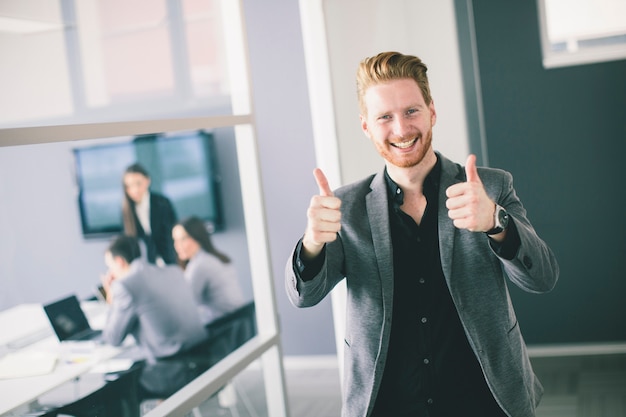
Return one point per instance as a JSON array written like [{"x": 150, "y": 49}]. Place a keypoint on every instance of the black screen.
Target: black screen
[{"x": 181, "y": 167}]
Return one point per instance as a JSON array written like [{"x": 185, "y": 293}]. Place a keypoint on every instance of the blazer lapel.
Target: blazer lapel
[
  {"x": 378, "y": 217},
  {"x": 451, "y": 173}
]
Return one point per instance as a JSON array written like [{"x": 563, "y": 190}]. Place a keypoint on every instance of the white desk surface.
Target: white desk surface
[
  {"x": 73, "y": 360},
  {"x": 22, "y": 321}
]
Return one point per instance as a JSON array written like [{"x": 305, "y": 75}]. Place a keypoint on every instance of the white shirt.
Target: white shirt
[{"x": 143, "y": 213}]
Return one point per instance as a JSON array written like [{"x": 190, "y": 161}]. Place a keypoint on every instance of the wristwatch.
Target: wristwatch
[{"x": 501, "y": 218}]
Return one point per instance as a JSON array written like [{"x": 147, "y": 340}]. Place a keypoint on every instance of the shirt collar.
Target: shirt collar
[
  {"x": 431, "y": 184},
  {"x": 145, "y": 201}
]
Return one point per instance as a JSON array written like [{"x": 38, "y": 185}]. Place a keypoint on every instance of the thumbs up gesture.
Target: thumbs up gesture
[
  {"x": 468, "y": 204},
  {"x": 324, "y": 218}
]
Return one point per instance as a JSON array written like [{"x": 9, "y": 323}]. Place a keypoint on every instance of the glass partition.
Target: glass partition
[{"x": 98, "y": 73}]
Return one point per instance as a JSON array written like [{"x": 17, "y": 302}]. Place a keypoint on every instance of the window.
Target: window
[
  {"x": 89, "y": 61},
  {"x": 582, "y": 31}
]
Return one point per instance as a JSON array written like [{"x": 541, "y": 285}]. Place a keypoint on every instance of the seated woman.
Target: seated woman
[{"x": 210, "y": 273}]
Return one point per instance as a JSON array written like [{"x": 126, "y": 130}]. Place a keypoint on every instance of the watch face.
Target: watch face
[{"x": 503, "y": 218}]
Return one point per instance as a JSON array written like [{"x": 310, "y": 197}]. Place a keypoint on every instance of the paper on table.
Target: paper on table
[
  {"x": 27, "y": 363},
  {"x": 113, "y": 365}
]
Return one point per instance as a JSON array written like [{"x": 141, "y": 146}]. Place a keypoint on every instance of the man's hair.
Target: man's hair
[
  {"x": 388, "y": 66},
  {"x": 125, "y": 246}
]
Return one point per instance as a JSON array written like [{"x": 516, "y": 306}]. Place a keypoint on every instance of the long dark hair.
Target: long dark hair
[
  {"x": 197, "y": 230},
  {"x": 128, "y": 205}
]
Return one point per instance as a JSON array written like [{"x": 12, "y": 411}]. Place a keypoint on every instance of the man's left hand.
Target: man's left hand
[{"x": 468, "y": 204}]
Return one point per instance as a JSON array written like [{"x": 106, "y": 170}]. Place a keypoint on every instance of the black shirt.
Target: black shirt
[{"x": 431, "y": 369}]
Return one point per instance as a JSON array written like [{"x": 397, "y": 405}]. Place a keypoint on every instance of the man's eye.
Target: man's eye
[
  {"x": 411, "y": 111},
  {"x": 385, "y": 117}
]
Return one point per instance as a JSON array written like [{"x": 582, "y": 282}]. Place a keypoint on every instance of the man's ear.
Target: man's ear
[
  {"x": 364, "y": 125},
  {"x": 120, "y": 262},
  {"x": 433, "y": 113}
]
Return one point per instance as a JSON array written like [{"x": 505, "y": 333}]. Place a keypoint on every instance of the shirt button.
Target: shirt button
[
  {"x": 429, "y": 401},
  {"x": 424, "y": 319},
  {"x": 426, "y": 361},
  {"x": 422, "y": 280},
  {"x": 398, "y": 190}
]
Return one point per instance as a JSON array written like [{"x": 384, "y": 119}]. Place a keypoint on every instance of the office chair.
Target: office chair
[
  {"x": 117, "y": 396},
  {"x": 225, "y": 334}
]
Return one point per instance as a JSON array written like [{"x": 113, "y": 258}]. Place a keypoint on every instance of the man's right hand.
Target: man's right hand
[
  {"x": 324, "y": 218},
  {"x": 107, "y": 279}
]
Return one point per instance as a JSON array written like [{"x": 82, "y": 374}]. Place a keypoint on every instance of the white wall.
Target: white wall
[
  {"x": 418, "y": 27},
  {"x": 338, "y": 35}
]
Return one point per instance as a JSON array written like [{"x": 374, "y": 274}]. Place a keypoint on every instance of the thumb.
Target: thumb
[
  {"x": 471, "y": 172},
  {"x": 322, "y": 183}
]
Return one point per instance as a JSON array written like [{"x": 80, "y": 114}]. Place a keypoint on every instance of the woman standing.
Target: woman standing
[
  {"x": 210, "y": 273},
  {"x": 148, "y": 216}
]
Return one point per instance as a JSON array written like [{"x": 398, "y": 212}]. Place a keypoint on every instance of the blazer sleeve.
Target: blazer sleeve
[
  {"x": 310, "y": 292},
  {"x": 163, "y": 218},
  {"x": 122, "y": 316},
  {"x": 534, "y": 267}
]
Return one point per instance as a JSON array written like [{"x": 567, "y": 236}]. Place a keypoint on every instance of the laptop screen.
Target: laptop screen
[{"x": 67, "y": 317}]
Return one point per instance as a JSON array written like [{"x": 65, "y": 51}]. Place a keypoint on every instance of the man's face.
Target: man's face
[
  {"x": 399, "y": 121},
  {"x": 112, "y": 264}
]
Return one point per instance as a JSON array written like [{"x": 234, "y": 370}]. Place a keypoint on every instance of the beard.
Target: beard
[{"x": 408, "y": 160}]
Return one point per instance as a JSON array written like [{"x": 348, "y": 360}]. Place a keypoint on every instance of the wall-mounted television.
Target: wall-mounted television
[{"x": 182, "y": 166}]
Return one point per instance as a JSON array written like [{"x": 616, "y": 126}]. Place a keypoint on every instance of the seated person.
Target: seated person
[
  {"x": 210, "y": 273},
  {"x": 149, "y": 303}
]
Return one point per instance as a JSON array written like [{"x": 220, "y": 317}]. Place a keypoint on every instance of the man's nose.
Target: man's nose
[{"x": 401, "y": 127}]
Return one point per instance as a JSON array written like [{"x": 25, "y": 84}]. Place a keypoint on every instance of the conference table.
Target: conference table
[
  {"x": 35, "y": 367},
  {"x": 40, "y": 376}
]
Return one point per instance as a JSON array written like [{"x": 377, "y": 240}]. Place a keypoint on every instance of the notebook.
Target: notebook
[
  {"x": 69, "y": 321},
  {"x": 27, "y": 363}
]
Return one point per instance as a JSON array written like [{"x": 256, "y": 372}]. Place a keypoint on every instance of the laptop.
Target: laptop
[{"x": 69, "y": 321}]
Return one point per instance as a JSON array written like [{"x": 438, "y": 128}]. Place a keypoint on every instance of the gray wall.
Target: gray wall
[
  {"x": 287, "y": 157},
  {"x": 562, "y": 133}
]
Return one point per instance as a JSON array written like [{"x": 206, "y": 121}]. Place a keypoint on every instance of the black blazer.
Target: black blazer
[{"x": 162, "y": 220}]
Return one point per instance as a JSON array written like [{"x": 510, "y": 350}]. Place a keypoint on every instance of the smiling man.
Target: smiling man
[{"x": 426, "y": 247}]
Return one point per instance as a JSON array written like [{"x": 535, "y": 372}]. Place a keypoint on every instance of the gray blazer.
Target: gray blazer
[
  {"x": 475, "y": 275},
  {"x": 214, "y": 284},
  {"x": 156, "y": 306}
]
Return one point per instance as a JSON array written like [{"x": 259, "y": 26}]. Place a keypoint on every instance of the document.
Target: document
[{"x": 27, "y": 363}]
